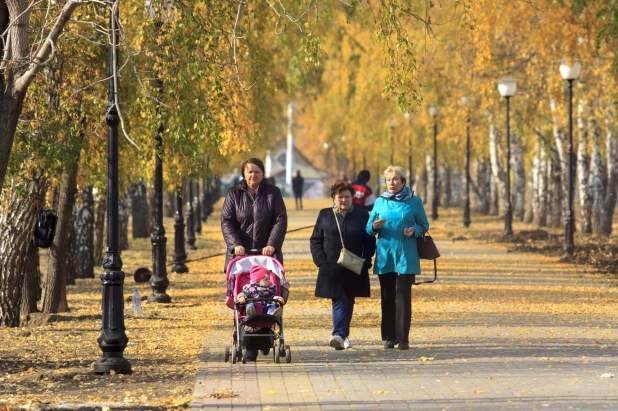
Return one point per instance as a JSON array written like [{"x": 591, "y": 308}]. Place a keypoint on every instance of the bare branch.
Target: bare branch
[{"x": 42, "y": 55}]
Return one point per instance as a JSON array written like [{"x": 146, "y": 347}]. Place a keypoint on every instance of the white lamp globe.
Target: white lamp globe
[
  {"x": 570, "y": 69},
  {"x": 507, "y": 87},
  {"x": 433, "y": 111},
  {"x": 325, "y": 146}
]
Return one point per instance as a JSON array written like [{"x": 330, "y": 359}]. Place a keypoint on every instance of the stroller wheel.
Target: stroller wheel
[
  {"x": 277, "y": 356},
  {"x": 234, "y": 356},
  {"x": 227, "y": 353},
  {"x": 288, "y": 354},
  {"x": 244, "y": 356}
]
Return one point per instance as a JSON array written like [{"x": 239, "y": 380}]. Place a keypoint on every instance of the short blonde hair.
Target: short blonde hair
[{"x": 401, "y": 173}]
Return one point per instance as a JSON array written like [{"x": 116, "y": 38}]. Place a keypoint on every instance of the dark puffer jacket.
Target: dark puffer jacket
[
  {"x": 326, "y": 247},
  {"x": 253, "y": 223}
]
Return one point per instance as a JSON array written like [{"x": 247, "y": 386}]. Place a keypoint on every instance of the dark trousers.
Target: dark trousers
[
  {"x": 298, "y": 199},
  {"x": 396, "y": 294}
]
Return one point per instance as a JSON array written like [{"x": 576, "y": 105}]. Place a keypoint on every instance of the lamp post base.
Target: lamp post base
[
  {"x": 106, "y": 365},
  {"x": 180, "y": 268},
  {"x": 159, "y": 298}
]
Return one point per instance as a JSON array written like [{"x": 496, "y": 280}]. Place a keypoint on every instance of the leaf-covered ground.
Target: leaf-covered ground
[{"x": 48, "y": 364}]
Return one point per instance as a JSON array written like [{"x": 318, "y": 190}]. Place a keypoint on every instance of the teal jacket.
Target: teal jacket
[{"x": 395, "y": 252}]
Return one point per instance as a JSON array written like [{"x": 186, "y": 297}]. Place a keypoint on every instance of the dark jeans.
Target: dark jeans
[
  {"x": 396, "y": 293},
  {"x": 297, "y": 199},
  {"x": 343, "y": 308}
]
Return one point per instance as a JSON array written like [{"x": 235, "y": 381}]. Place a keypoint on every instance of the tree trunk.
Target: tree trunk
[
  {"x": 123, "y": 226},
  {"x": 483, "y": 181},
  {"x": 429, "y": 186},
  {"x": 139, "y": 211},
  {"x": 583, "y": 174},
  {"x": 100, "y": 212},
  {"x": 498, "y": 188},
  {"x": 554, "y": 191},
  {"x": 16, "y": 226},
  {"x": 31, "y": 291},
  {"x": 424, "y": 182},
  {"x": 81, "y": 261},
  {"x": 598, "y": 189},
  {"x": 539, "y": 200},
  {"x": 605, "y": 227},
  {"x": 444, "y": 182},
  {"x": 54, "y": 294},
  {"x": 530, "y": 189},
  {"x": 519, "y": 177},
  {"x": 458, "y": 188}
]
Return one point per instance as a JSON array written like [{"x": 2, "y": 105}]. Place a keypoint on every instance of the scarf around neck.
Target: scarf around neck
[
  {"x": 349, "y": 210},
  {"x": 403, "y": 195}
]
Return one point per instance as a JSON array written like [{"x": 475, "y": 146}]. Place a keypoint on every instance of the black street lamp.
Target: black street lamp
[
  {"x": 159, "y": 281},
  {"x": 411, "y": 182},
  {"x": 433, "y": 112},
  {"x": 570, "y": 72},
  {"x": 392, "y": 127},
  {"x": 180, "y": 255},
  {"x": 190, "y": 217},
  {"x": 466, "y": 214},
  {"x": 113, "y": 339},
  {"x": 197, "y": 217},
  {"x": 507, "y": 89}
]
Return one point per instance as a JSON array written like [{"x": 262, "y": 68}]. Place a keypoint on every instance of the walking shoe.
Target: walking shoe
[
  {"x": 346, "y": 343},
  {"x": 404, "y": 345},
  {"x": 276, "y": 312},
  {"x": 390, "y": 344},
  {"x": 336, "y": 342},
  {"x": 250, "y": 310}
]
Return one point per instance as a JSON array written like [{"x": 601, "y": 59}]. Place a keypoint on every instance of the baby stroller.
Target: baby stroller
[{"x": 259, "y": 331}]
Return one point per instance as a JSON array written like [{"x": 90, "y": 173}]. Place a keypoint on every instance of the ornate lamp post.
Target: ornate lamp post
[
  {"x": 158, "y": 281},
  {"x": 190, "y": 217},
  {"x": 466, "y": 215},
  {"x": 570, "y": 70},
  {"x": 433, "y": 112},
  {"x": 113, "y": 339},
  {"x": 392, "y": 127},
  {"x": 507, "y": 89},
  {"x": 180, "y": 255},
  {"x": 411, "y": 178},
  {"x": 197, "y": 216}
]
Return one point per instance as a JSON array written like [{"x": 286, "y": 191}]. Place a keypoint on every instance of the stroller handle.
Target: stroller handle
[{"x": 252, "y": 251}]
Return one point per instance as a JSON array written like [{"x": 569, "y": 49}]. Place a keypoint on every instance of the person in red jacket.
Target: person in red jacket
[{"x": 363, "y": 196}]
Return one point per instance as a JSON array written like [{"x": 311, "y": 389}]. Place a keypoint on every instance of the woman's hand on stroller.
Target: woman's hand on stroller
[
  {"x": 268, "y": 250},
  {"x": 239, "y": 250}
]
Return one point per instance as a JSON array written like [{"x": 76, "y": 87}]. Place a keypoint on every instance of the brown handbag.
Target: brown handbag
[{"x": 427, "y": 250}]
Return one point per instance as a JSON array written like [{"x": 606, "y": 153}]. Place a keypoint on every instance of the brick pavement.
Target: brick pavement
[{"x": 500, "y": 331}]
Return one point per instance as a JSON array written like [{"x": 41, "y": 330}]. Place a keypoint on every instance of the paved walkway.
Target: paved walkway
[{"x": 500, "y": 331}]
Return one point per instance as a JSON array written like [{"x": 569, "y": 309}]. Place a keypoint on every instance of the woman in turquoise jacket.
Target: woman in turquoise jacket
[{"x": 398, "y": 217}]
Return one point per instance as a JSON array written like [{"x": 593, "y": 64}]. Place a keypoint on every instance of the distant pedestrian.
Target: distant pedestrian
[
  {"x": 398, "y": 217},
  {"x": 297, "y": 186},
  {"x": 363, "y": 197},
  {"x": 334, "y": 281}
]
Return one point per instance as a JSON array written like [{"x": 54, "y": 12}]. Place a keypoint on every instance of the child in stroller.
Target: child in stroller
[
  {"x": 258, "y": 321},
  {"x": 260, "y": 287}
]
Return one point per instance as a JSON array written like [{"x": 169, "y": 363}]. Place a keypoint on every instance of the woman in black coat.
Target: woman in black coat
[{"x": 339, "y": 284}]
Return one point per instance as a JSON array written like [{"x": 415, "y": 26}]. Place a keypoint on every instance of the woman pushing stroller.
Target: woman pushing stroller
[{"x": 253, "y": 217}]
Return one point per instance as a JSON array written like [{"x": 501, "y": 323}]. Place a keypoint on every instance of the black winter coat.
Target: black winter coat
[
  {"x": 253, "y": 223},
  {"x": 326, "y": 247}
]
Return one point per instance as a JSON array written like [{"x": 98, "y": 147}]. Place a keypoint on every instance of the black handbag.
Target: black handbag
[
  {"x": 44, "y": 229},
  {"x": 427, "y": 250}
]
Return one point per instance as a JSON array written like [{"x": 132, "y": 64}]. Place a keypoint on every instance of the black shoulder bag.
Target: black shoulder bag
[{"x": 44, "y": 229}]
